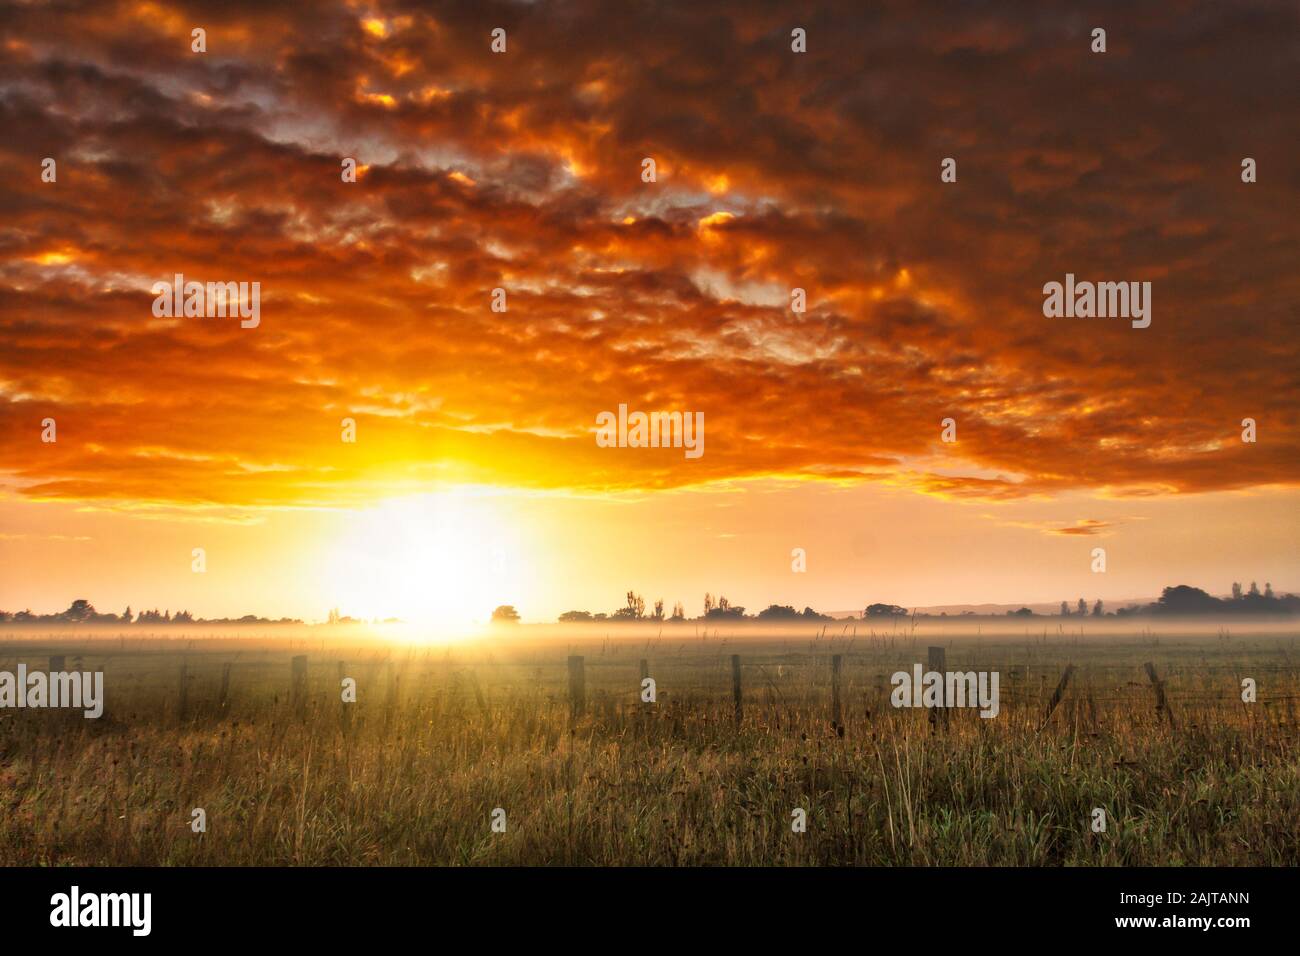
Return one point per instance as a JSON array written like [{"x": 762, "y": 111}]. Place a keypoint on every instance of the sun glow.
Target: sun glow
[{"x": 440, "y": 563}]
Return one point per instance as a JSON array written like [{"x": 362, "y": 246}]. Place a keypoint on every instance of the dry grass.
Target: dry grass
[{"x": 413, "y": 779}]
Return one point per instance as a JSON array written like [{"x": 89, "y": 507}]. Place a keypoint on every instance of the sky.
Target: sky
[{"x": 475, "y": 477}]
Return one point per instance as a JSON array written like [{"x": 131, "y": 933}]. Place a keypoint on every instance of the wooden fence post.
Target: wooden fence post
[
  {"x": 298, "y": 684},
  {"x": 837, "y": 714},
  {"x": 1162, "y": 705},
  {"x": 58, "y": 664},
  {"x": 577, "y": 685},
  {"x": 735, "y": 687},
  {"x": 183, "y": 699},
  {"x": 938, "y": 663},
  {"x": 346, "y": 714},
  {"x": 1057, "y": 694},
  {"x": 223, "y": 701}
]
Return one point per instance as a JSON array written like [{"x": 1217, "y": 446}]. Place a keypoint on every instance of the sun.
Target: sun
[{"x": 440, "y": 562}]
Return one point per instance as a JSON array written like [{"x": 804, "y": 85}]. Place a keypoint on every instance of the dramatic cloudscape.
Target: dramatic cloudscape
[{"x": 475, "y": 478}]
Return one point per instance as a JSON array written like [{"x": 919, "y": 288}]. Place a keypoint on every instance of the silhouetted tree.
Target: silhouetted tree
[
  {"x": 634, "y": 610},
  {"x": 505, "y": 614},
  {"x": 1185, "y": 600},
  {"x": 884, "y": 610},
  {"x": 1097, "y": 609},
  {"x": 78, "y": 611},
  {"x": 778, "y": 612},
  {"x": 1083, "y": 608},
  {"x": 725, "y": 610}
]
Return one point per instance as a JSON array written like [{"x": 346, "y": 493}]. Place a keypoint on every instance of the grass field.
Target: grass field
[{"x": 443, "y": 734}]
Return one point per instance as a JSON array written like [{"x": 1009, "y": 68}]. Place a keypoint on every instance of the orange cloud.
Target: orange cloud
[{"x": 522, "y": 171}]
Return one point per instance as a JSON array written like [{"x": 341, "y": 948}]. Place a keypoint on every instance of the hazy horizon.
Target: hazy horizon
[{"x": 990, "y": 611}]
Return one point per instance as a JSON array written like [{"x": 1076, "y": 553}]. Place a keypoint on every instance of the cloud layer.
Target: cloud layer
[{"x": 522, "y": 171}]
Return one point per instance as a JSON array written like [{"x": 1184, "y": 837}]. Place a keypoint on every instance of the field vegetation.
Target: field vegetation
[{"x": 443, "y": 734}]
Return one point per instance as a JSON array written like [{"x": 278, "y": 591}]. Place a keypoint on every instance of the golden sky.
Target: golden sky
[{"x": 475, "y": 477}]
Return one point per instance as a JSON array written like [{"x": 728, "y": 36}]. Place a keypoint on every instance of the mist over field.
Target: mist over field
[
  {"x": 643, "y": 745},
  {"x": 497, "y": 637}
]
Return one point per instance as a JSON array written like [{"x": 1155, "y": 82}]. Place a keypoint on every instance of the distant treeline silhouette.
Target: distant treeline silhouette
[
  {"x": 1180, "y": 599},
  {"x": 82, "y": 611}
]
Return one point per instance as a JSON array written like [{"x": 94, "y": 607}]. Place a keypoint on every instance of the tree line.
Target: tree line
[
  {"x": 82, "y": 611},
  {"x": 1178, "y": 599}
]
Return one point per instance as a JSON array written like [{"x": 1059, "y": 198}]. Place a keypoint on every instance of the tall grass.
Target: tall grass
[{"x": 438, "y": 739}]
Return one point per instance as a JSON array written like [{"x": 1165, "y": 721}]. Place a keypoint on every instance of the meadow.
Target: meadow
[{"x": 442, "y": 734}]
